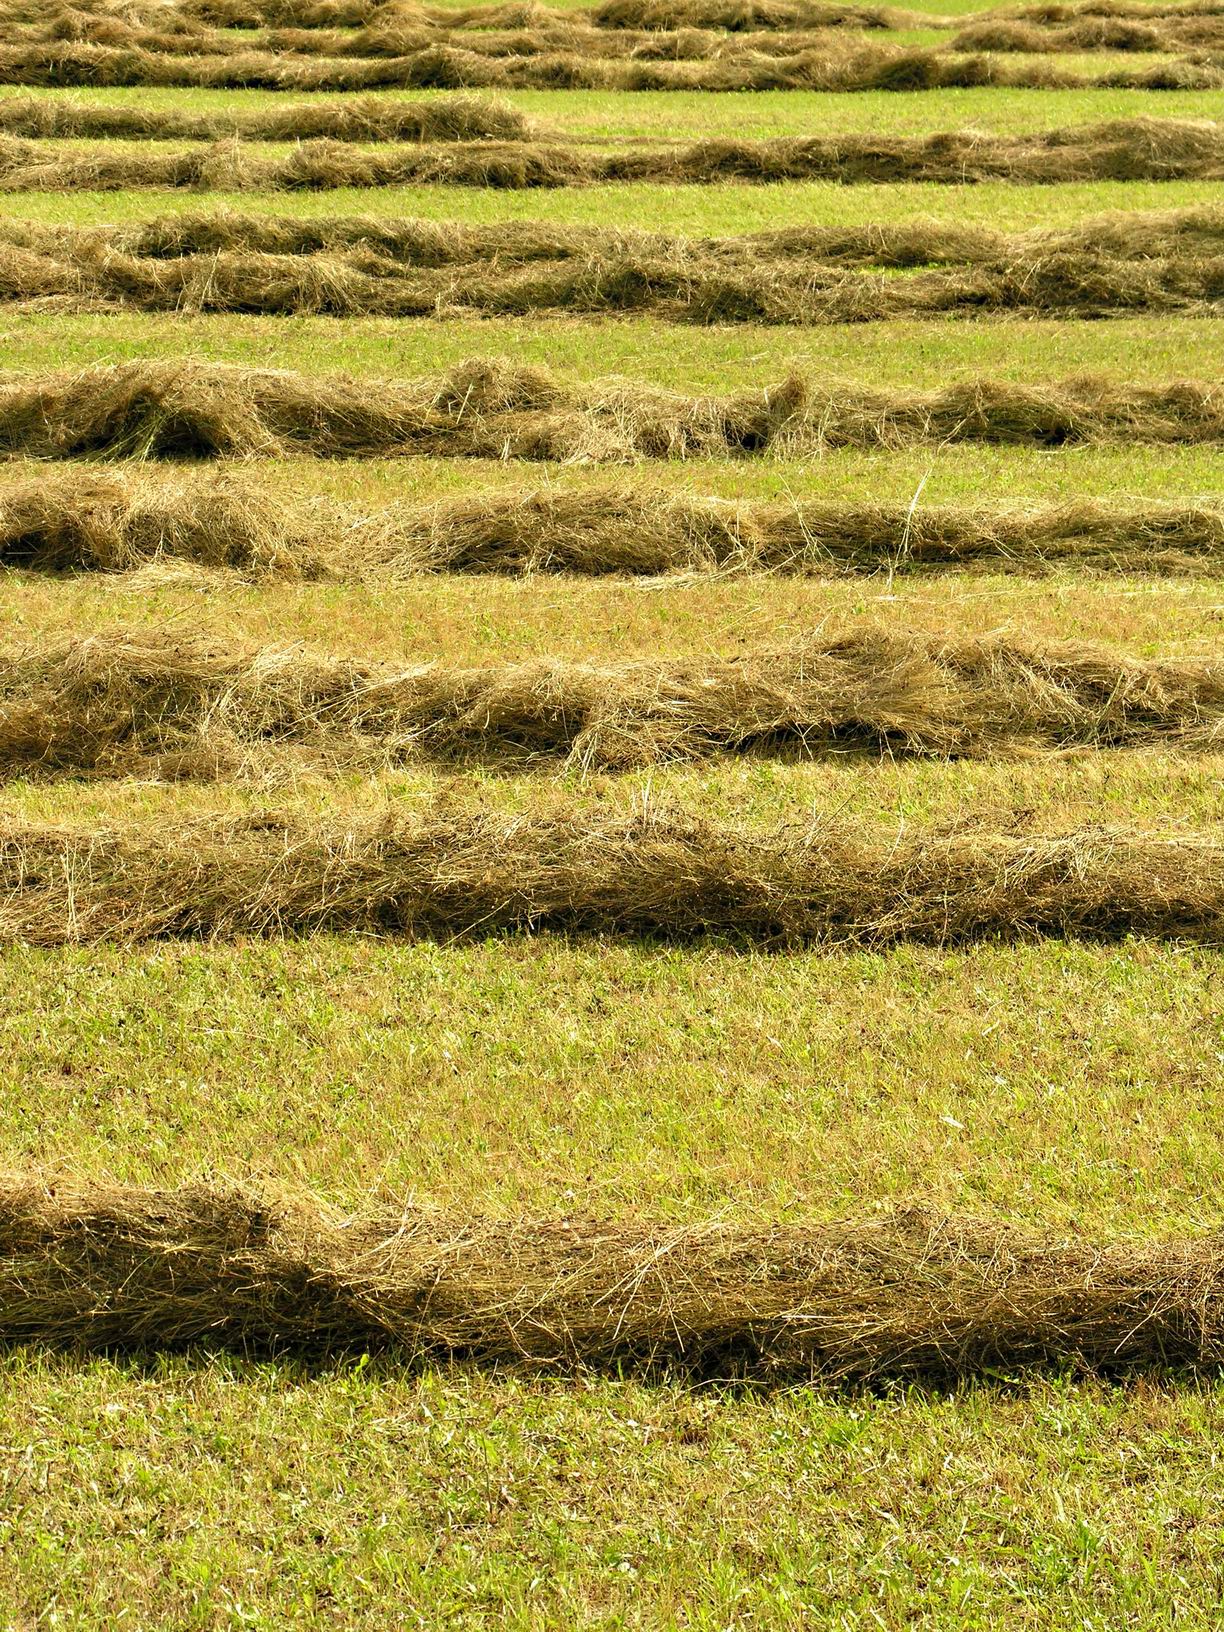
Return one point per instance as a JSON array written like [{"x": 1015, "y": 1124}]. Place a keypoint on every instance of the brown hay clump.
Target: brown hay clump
[
  {"x": 900, "y": 1295},
  {"x": 655, "y": 874},
  {"x": 95, "y": 522},
  {"x": 353, "y": 119}
]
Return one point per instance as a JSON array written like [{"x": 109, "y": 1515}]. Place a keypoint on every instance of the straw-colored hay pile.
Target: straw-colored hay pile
[
  {"x": 484, "y": 409},
  {"x": 655, "y": 874},
  {"x": 122, "y": 520},
  {"x": 141, "y": 702},
  {"x": 906, "y": 1295}
]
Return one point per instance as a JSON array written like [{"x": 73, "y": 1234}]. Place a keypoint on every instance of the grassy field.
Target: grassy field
[{"x": 1063, "y": 1085}]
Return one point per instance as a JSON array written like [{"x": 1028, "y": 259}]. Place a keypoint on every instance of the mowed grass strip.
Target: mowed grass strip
[{"x": 609, "y": 119}]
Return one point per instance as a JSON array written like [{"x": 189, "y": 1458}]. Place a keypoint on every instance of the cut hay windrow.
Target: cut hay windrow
[
  {"x": 671, "y": 16},
  {"x": 668, "y": 876},
  {"x": 351, "y": 119},
  {"x": 453, "y": 67},
  {"x": 74, "y": 521},
  {"x": 490, "y": 409},
  {"x": 406, "y": 34},
  {"x": 1123, "y": 235},
  {"x": 150, "y": 703},
  {"x": 899, "y": 1294},
  {"x": 1163, "y": 34},
  {"x": 1122, "y": 150},
  {"x": 677, "y": 283}
]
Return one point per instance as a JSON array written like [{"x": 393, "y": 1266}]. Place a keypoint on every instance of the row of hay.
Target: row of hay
[
  {"x": 1122, "y": 235},
  {"x": 682, "y": 286},
  {"x": 483, "y": 409},
  {"x": 904, "y": 1294},
  {"x": 68, "y": 521},
  {"x": 470, "y": 872},
  {"x": 146, "y": 702},
  {"x": 405, "y": 34},
  {"x": 1175, "y": 33},
  {"x": 1120, "y": 150},
  {"x": 350, "y": 119},
  {"x": 450, "y": 67},
  {"x": 732, "y": 16}
]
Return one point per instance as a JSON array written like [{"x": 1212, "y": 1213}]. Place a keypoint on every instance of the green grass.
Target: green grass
[
  {"x": 1060, "y": 1084},
  {"x": 260, "y": 1497},
  {"x": 481, "y": 619},
  {"x": 692, "y": 210},
  {"x": 917, "y": 354},
  {"x": 603, "y": 116}
]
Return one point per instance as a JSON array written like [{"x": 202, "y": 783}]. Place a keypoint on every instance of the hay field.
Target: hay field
[{"x": 612, "y": 866}]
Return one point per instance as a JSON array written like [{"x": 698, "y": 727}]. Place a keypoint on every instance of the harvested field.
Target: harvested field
[
  {"x": 451, "y": 67},
  {"x": 66, "y": 522},
  {"x": 908, "y": 1295},
  {"x": 497, "y": 410},
  {"x": 162, "y": 704},
  {"x": 654, "y": 830},
  {"x": 354, "y": 119},
  {"x": 657, "y": 875},
  {"x": 1123, "y": 150}
]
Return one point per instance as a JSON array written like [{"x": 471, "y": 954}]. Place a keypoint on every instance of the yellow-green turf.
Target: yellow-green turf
[
  {"x": 242, "y": 1496},
  {"x": 613, "y": 117}
]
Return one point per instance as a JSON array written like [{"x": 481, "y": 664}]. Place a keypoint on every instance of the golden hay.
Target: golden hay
[
  {"x": 541, "y": 65},
  {"x": 1123, "y": 150},
  {"x": 491, "y": 409},
  {"x": 221, "y": 261},
  {"x": 351, "y": 119},
  {"x": 145, "y": 701},
  {"x": 461, "y": 872},
  {"x": 120, "y": 521},
  {"x": 901, "y": 1295}
]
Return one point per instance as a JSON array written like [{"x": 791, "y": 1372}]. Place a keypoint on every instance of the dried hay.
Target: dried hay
[
  {"x": 70, "y": 521},
  {"x": 492, "y": 409},
  {"x": 905, "y": 1294}
]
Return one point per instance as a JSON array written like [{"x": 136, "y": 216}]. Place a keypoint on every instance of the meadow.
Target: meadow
[{"x": 917, "y": 934}]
